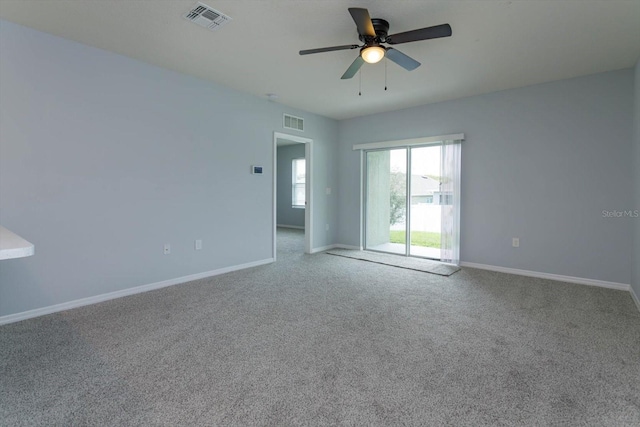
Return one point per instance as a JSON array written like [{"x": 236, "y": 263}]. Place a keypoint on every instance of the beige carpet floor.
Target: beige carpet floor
[{"x": 324, "y": 340}]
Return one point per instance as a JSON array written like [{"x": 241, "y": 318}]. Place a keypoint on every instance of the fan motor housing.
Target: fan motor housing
[{"x": 381, "y": 28}]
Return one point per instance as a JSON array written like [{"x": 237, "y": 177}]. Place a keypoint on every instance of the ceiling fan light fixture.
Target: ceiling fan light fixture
[
  {"x": 372, "y": 54},
  {"x": 374, "y": 33}
]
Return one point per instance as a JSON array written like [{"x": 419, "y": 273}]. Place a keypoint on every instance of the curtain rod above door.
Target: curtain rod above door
[{"x": 409, "y": 142}]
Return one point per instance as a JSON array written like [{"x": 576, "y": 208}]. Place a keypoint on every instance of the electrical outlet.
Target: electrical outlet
[
  {"x": 515, "y": 242},
  {"x": 167, "y": 249},
  {"x": 198, "y": 245}
]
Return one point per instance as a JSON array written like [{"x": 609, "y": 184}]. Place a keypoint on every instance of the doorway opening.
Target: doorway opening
[{"x": 292, "y": 190}]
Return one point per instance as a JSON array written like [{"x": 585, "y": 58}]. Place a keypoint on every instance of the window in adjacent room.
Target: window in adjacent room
[{"x": 298, "y": 168}]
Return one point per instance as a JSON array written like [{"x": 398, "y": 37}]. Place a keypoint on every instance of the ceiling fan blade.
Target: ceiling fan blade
[
  {"x": 406, "y": 62},
  {"x": 436, "y": 32},
  {"x": 353, "y": 68},
  {"x": 363, "y": 21},
  {"x": 329, "y": 49}
]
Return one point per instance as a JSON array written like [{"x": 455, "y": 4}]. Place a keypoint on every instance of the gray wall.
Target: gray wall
[
  {"x": 635, "y": 283},
  {"x": 286, "y": 215},
  {"x": 103, "y": 159},
  {"x": 540, "y": 163}
]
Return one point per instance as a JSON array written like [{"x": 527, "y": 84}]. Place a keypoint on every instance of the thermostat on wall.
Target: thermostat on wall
[{"x": 256, "y": 170}]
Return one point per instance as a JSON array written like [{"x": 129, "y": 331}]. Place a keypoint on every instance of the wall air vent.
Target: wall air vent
[
  {"x": 293, "y": 122},
  {"x": 207, "y": 17}
]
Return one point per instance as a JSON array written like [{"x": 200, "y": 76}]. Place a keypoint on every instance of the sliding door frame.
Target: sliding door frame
[
  {"x": 407, "y": 144},
  {"x": 365, "y": 201},
  {"x": 407, "y": 197}
]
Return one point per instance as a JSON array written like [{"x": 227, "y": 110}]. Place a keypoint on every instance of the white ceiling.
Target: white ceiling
[{"x": 495, "y": 44}]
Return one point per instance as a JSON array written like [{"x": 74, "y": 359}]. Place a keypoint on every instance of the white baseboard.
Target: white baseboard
[
  {"x": 334, "y": 246},
  {"x": 635, "y": 298},
  {"x": 322, "y": 249},
  {"x": 297, "y": 227},
  {"x": 558, "y": 277},
  {"x": 11, "y": 318}
]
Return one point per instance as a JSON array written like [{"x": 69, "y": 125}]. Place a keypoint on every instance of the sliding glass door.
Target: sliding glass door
[
  {"x": 386, "y": 176},
  {"x": 411, "y": 198},
  {"x": 425, "y": 212}
]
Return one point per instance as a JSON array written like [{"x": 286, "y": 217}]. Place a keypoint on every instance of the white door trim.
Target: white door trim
[{"x": 308, "y": 212}]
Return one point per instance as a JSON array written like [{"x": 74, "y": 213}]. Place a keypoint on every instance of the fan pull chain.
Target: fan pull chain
[
  {"x": 385, "y": 73},
  {"x": 360, "y": 83}
]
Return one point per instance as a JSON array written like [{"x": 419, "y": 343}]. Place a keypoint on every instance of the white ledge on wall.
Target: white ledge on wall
[
  {"x": 14, "y": 246},
  {"x": 409, "y": 142}
]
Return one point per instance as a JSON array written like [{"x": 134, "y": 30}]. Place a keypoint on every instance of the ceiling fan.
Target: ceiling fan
[{"x": 373, "y": 32}]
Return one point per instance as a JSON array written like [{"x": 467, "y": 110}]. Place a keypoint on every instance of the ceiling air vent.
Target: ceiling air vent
[
  {"x": 207, "y": 17},
  {"x": 293, "y": 122}
]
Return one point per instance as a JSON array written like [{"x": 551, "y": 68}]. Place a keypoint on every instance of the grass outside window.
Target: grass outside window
[{"x": 427, "y": 239}]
